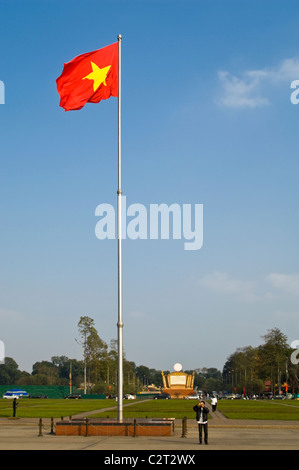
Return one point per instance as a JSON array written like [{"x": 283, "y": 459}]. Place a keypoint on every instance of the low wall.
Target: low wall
[{"x": 110, "y": 427}]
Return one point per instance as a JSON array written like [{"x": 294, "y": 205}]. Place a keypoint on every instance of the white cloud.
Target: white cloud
[
  {"x": 221, "y": 283},
  {"x": 240, "y": 92},
  {"x": 287, "y": 70},
  {"x": 248, "y": 89},
  {"x": 288, "y": 283}
]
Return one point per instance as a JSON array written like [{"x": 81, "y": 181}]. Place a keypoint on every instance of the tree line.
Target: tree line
[
  {"x": 97, "y": 371},
  {"x": 246, "y": 370},
  {"x": 271, "y": 367}
]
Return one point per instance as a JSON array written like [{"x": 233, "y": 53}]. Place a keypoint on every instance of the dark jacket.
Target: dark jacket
[{"x": 197, "y": 409}]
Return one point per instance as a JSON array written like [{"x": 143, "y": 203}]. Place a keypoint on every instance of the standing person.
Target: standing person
[
  {"x": 214, "y": 403},
  {"x": 14, "y": 406},
  {"x": 202, "y": 419}
]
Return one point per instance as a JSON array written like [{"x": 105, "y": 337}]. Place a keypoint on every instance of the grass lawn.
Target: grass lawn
[
  {"x": 265, "y": 409},
  {"x": 174, "y": 408},
  {"x": 232, "y": 409},
  {"x": 51, "y": 408}
]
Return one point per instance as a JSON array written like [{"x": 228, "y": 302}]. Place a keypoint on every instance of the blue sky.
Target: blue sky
[{"x": 206, "y": 119}]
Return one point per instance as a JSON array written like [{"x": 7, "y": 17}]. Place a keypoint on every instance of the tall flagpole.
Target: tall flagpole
[{"x": 119, "y": 201}]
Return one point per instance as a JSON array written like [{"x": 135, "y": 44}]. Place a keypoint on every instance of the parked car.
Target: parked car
[
  {"x": 38, "y": 396},
  {"x": 229, "y": 396},
  {"x": 279, "y": 397},
  {"x": 165, "y": 396},
  {"x": 192, "y": 397},
  {"x": 128, "y": 396},
  {"x": 74, "y": 396}
]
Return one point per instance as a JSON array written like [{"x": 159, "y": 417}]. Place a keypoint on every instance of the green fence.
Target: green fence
[
  {"x": 59, "y": 391},
  {"x": 93, "y": 396},
  {"x": 54, "y": 391}
]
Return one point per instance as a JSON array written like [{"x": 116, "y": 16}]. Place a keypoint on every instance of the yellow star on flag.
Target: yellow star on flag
[{"x": 98, "y": 75}]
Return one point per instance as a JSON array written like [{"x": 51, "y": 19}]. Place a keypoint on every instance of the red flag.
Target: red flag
[{"x": 89, "y": 77}]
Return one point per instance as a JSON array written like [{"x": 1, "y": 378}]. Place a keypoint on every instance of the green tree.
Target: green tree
[
  {"x": 94, "y": 349},
  {"x": 273, "y": 356},
  {"x": 9, "y": 372},
  {"x": 45, "y": 373},
  {"x": 250, "y": 367},
  {"x": 65, "y": 366}
]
